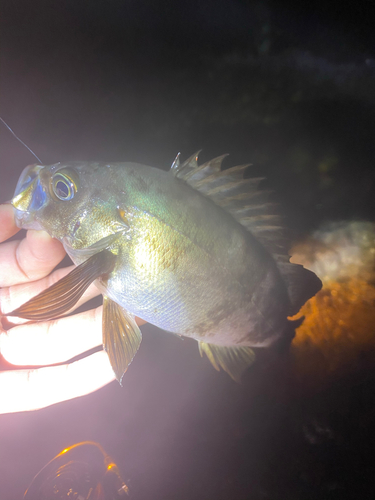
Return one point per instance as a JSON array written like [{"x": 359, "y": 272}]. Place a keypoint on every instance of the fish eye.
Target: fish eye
[{"x": 64, "y": 186}]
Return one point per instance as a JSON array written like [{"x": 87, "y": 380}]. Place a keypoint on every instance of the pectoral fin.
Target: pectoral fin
[
  {"x": 121, "y": 336},
  {"x": 64, "y": 294},
  {"x": 232, "y": 359}
]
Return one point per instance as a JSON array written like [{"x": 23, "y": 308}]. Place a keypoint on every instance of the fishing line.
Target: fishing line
[{"x": 18, "y": 139}]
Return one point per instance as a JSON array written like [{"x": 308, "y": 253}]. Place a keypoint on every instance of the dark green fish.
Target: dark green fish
[{"x": 197, "y": 251}]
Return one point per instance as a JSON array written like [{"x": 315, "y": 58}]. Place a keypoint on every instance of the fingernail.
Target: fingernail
[{"x": 6, "y": 202}]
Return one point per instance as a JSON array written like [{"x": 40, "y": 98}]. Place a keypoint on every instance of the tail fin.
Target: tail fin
[{"x": 301, "y": 283}]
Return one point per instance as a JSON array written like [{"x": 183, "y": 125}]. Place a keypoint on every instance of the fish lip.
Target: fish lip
[
  {"x": 27, "y": 177},
  {"x": 25, "y": 220},
  {"x": 20, "y": 217},
  {"x": 31, "y": 198}
]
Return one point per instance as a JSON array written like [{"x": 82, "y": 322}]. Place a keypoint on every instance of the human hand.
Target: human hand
[{"x": 25, "y": 267}]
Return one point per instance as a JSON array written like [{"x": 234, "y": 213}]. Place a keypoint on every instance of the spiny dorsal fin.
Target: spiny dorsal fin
[
  {"x": 210, "y": 174},
  {"x": 242, "y": 198},
  {"x": 191, "y": 172},
  {"x": 239, "y": 196},
  {"x": 182, "y": 169}
]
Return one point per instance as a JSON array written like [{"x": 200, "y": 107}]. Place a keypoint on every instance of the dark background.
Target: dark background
[{"x": 288, "y": 86}]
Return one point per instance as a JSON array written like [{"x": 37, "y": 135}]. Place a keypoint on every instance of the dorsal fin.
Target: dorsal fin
[
  {"x": 242, "y": 198},
  {"x": 191, "y": 164},
  {"x": 239, "y": 196}
]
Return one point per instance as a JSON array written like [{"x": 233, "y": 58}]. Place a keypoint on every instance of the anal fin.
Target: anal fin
[
  {"x": 121, "y": 336},
  {"x": 232, "y": 359}
]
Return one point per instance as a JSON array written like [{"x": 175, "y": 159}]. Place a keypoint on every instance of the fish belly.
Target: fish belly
[{"x": 185, "y": 282}]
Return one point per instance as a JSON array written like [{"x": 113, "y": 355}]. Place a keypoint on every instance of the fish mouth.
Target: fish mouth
[
  {"x": 27, "y": 203},
  {"x": 29, "y": 196},
  {"x": 28, "y": 175}
]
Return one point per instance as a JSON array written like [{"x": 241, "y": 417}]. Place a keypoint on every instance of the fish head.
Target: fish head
[{"x": 73, "y": 202}]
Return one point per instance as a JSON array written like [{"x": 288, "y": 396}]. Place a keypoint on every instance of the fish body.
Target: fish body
[{"x": 194, "y": 251}]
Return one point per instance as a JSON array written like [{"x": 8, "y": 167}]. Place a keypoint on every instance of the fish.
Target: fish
[{"x": 198, "y": 251}]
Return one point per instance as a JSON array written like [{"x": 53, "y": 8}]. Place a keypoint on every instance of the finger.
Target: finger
[
  {"x": 29, "y": 259},
  {"x": 45, "y": 343},
  {"x": 8, "y": 226},
  {"x": 54, "y": 341},
  {"x": 24, "y": 390}
]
